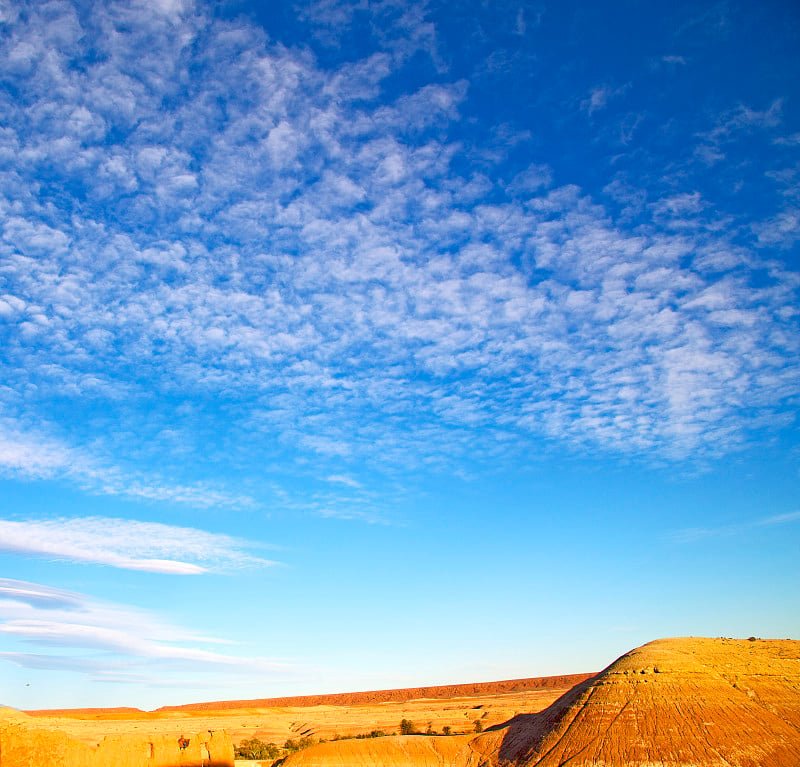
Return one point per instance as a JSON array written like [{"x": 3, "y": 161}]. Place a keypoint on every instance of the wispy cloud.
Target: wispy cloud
[
  {"x": 127, "y": 544},
  {"x": 732, "y": 124},
  {"x": 343, "y": 480},
  {"x": 599, "y": 97},
  {"x": 692, "y": 534},
  {"x": 107, "y": 636},
  {"x": 28, "y": 454}
]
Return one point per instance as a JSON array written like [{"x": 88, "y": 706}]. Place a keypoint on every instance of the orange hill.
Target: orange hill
[
  {"x": 456, "y": 707},
  {"x": 392, "y": 696},
  {"x": 671, "y": 703},
  {"x": 674, "y": 701}
]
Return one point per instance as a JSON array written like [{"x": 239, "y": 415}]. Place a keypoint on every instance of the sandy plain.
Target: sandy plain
[{"x": 322, "y": 716}]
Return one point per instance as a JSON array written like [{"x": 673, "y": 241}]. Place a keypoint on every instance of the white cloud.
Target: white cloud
[
  {"x": 274, "y": 266},
  {"x": 28, "y": 454},
  {"x": 36, "y": 595},
  {"x": 108, "y": 636},
  {"x": 692, "y": 534},
  {"x": 732, "y": 124},
  {"x": 599, "y": 97},
  {"x": 127, "y": 544},
  {"x": 343, "y": 480}
]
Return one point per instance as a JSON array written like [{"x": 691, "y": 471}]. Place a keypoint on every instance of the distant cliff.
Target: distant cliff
[{"x": 392, "y": 696}]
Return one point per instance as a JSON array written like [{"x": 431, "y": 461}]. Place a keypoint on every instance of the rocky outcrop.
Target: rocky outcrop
[
  {"x": 23, "y": 744},
  {"x": 671, "y": 703}
]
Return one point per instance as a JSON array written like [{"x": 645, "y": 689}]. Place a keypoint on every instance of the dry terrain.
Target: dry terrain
[
  {"x": 324, "y": 716},
  {"x": 671, "y": 703}
]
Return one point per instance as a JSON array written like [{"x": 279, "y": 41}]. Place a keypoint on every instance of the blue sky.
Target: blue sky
[{"x": 350, "y": 345}]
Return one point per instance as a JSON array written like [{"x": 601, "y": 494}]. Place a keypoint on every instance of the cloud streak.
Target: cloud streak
[
  {"x": 107, "y": 637},
  {"x": 127, "y": 544},
  {"x": 692, "y": 534}
]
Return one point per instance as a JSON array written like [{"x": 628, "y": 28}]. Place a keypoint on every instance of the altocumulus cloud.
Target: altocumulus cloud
[
  {"x": 128, "y": 544},
  {"x": 222, "y": 254}
]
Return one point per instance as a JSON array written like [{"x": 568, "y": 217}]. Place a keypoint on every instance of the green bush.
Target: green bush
[
  {"x": 299, "y": 744},
  {"x": 253, "y": 748},
  {"x": 408, "y": 728}
]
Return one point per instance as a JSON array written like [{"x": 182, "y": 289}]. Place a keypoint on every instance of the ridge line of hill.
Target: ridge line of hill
[
  {"x": 392, "y": 696},
  {"x": 400, "y": 695}
]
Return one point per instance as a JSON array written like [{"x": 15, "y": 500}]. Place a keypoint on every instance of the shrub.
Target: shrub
[
  {"x": 478, "y": 725},
  {"x": 408, "y": 728},
  {"x": 253, "y": 748},
  {"x": 299, "y": 744},
  {"x": 371, "y": 734},
  {"x": 446, "y": 730}
]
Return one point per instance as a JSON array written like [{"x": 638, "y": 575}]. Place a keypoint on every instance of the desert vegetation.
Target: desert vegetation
[
  {"x": 744, "y": 692},
  {"x": 257, "y": 749},
  {"x": 253, "y": 748}
]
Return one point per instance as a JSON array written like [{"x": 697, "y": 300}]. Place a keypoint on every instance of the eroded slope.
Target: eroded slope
[{"x": 672, "y": 702}]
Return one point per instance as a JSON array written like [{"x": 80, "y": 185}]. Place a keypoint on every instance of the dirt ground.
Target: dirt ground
[{"x": 363, "y": 712}]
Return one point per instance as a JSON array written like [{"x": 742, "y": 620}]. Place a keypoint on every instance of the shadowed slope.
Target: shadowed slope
[{"x": 671, "y": 702}]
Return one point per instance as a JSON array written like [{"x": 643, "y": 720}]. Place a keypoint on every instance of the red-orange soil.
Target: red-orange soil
[
  {"x": 29, "y": 742},
  {"x": 276, "y": 720},
  {"x": 671, "y": 703},
  {"x": 372, "y": 697}
]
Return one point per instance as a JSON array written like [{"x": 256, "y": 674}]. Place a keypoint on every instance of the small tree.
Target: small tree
[
  {"x": 407, "y": 727},
  {"x": 299, "y": 744},
  {"x": 446, "y": 729},
  {"x": 478, "y": 725},
  {"x": 253, "y": 748}
]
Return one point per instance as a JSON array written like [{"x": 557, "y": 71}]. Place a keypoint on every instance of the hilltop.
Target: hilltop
[
  {"x": 673, "y": 703},
  {"x": 687, "y": 702}
]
